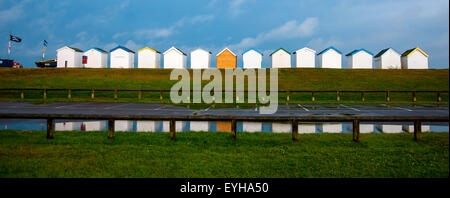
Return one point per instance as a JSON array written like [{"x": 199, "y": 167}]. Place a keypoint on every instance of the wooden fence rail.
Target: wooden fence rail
[{"x": 287, "y": 92}]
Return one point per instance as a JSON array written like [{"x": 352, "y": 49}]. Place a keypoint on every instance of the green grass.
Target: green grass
[
  {"x": 289, "y": 79},
  {"x": 212, "y": 154}
]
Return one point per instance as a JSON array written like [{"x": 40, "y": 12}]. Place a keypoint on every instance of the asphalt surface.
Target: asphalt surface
[{"x": 87, "y": 108}]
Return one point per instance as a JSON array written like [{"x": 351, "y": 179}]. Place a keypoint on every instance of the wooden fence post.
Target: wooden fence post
[
  {"x": 92, "y": 94},
  {"x": 45, "y": 94},
  {"x": 69, "y": 94},
  {"x": 172, "y": 127},
  {"x": 363, "y": 96},
  {"x": 312, "y": 96},
  {"x": 295, "y": 130},
  {"x": 233, "y": 129},
  {"x": 111, "y": 128},
  {"x": 50, "y": 128},
  {"x": 417, "y": 130},
  {"x": 439, "y": 98},
  {"x": 356, "y": 130},
  {"x": 160, "y": 95},
  {"x": 22, "y": 95},
  {"x": 139, "y": 95},
  {"x": 115, "y": 94},
  {"x": 287, "y": 97},
  {"x": 338, "y": 96},
  {"x": 414, "y": 96},
  {"x": 388, "y": 96}
]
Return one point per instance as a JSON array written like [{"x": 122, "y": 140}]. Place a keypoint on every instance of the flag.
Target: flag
[
  {"x": 9, "y": 48},
  {"x": 43, "y": 51},
  {"x": 15, "y": 38},
  {"x": 45, "y": 43}
]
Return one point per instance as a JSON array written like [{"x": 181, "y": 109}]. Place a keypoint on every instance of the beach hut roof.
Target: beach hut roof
[
  {"x": 73, "y": 48},
  {"x": 279, "y": 50},
  {"x": 356, "y": 51},
  {"x": 224, "y": 50},
  {"x": 123, "y": 48},
  {"x": 384, "y": 51},
  {"x": 305, "y": 48},
  {"x": 97, "y": 49},
  {"x": 331, "y": 47},
  {"x": 149, "y": 49},
  {"x": 176, "y": 49},
  {"x": 253, "y": 50},
  {"x": 202, "y": 50},
  {"x": 410, "y": 51}
]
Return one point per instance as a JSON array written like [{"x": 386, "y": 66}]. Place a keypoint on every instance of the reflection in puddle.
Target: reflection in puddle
[{"x": 222, "y": 126}]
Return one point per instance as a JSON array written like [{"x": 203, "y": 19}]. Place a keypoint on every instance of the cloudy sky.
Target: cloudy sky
[{"x": 238, "y": 24}]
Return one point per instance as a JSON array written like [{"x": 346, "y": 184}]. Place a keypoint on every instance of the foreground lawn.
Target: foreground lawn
[{"x": 131, "y": 154}]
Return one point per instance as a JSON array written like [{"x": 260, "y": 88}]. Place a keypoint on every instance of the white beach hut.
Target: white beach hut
[
  {"x": 200, "y": 59},
  {"x": 363, "y": 128},
  {"x": 306, "y": 128},
  {"x": 179, "y": 126},
  {"x": 122, "y": 57},
  {"x": 330, "y": 128},
  {"x": 199, "y": 126},
  {"x": 123, "y": 125},
  {"x": 149, "y": 58},
  {"x": 174, "y": 58},
  {"x": 147, "y": 126},
  {"x": 281, "y": 127},
  {"x": 390, "y": 128},
  {"x": 69, "y": 57},
  {"x": 410, "y": 128},
  {"x": 414, "y": 59},
  {"x": 281, "y": 58},
  {"x": 251, "y": 126},
  {"x": 388, "y": 59},
  {"x": 96, "y": 58},
  {"x": 329, "y": 58},
  {"x": 68, "y": 126},
  {"x": 305, "y": 57},
  {"x": 360, "y": 59},
  {"x": 252, "y": 58},
  {"x": 94, "y": 126}
]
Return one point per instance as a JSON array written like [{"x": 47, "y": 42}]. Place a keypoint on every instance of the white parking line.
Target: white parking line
[
  {"x": 112, "y": 107},
  {"x": 303, "y": 107},
  {"x": 403, "y": 108},
  {"x": 355, "y": 109}
]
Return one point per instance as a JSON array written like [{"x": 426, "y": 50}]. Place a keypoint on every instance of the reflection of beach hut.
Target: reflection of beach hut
[
  {"x": 410, "y": 128},
  {"x": 121, "y": 57},
  {"x": 281, "y": 128},
  {"x": 252, "y": 58},
  {"x": 200, "y": 59},
  {"x": 94, "y": 125},
  {"x": 123, "y": 125},
  {"x": 251, "y": 126},
  {"x": 68, "y": 126},
  {"x": 329, "y": 58},
  {"x": 363, "y": 128},
  {"x": 331, "y": 128},
  {"x": 179, "y": 126},
  {"x": 149, "y": 58},
  {"x": 305, "y": 57},
  {"x": 388, "y": 59},
  {"x": 199, "y": 126},
  {"x": 360, "y": 59},
  {"x": 281, "y": 58},
  {"x": 390, "y": 128},
  {"x": 306, "y": 128},
  {"x": 146, "y": 126},
  {"x": 68, "y": 57},
  {"x": 414, "y": 59},
  {"x": 223, "y": 126},
  {"x": 226, "y": 59},
  {"x": 174, "y": 58},
  {"x": 96, "y": 58}
]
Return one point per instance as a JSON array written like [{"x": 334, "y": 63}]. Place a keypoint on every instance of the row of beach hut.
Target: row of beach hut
[{"x": 122, "y": 57}]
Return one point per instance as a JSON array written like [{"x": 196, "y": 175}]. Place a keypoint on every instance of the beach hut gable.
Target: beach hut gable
[
  {"x": 147, "y": 48},
  {"x": 330, "y": 48},
  {"x": 226, "y": 49},
  {"x": 175, "y": 49},
  {"x": 357, "y": 51},
  {"x": 122, "y": 48},
  {"x": 279, "y": 50},
  {"x": 411, "y": 51},
  {"x": 253, "y": 50}
]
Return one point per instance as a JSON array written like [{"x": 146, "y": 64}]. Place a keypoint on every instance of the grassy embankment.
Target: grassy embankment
[
  {"x": 289, "y": 79},
  {"x": 214, "y": 154}
]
